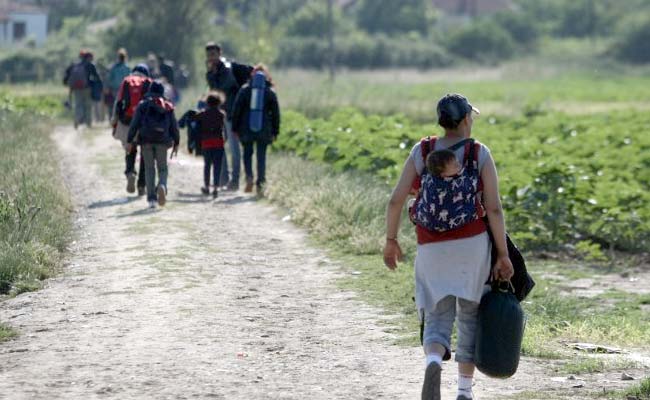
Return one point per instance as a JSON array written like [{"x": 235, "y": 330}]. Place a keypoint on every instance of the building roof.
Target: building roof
[{"x": 8, "y": 7}]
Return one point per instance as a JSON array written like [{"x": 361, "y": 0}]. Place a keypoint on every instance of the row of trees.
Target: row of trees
[
  {"x": 370, "y": 33},
  {"x": 366, "y": 33}
]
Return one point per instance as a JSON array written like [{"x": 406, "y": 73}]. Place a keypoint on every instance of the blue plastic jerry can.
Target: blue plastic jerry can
[{"x": 256, "y": 115}]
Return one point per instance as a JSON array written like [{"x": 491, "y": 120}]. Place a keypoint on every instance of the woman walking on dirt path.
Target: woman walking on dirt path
[{"x": 451, "y": 265}]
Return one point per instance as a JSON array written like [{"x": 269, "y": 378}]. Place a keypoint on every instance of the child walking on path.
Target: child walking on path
[
  {"x": 453, "y": 257},
  {"x": 154, "y": 127},
  {"x": 211, "y": 128}
]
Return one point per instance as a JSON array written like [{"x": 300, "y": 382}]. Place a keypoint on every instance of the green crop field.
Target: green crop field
[{"x": 564, "y": 178}]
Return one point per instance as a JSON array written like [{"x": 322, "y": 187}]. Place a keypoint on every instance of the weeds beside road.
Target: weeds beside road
[{"x": 35, "y": 211}]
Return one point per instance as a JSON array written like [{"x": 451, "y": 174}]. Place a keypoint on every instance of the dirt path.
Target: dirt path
[{"x": 201, "y": 299}]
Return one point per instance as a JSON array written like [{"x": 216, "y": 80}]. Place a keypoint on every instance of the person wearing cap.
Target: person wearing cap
[
  {"x": 132, "y": 89},
  {"x": 78, "y": 77},
  {"x": 155, "y": 129},
  {"x": 451, "y": 267}
]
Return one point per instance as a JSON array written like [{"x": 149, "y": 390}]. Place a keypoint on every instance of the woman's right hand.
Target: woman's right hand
[
  {"x": 503, "y": 269},
  {"x": 392, "y": 253}
]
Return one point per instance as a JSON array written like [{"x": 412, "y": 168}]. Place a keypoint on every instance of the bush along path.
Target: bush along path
[{"x": 204, "y": 299}]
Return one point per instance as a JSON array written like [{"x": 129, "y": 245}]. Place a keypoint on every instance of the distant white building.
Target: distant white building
[{"x": 20, "y": 23}]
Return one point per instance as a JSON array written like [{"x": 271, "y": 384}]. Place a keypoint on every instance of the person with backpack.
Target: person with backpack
[
  {"x": 132, "y": 89},
  {"x": 155, "y": 129},
  {"x": 227, "y": 77},
  {"x": 116, "y": 74},
  {"x": 256, "y": 121},
  {"x": 453, "y": 260},
  {"x": 79, "y": 77}
]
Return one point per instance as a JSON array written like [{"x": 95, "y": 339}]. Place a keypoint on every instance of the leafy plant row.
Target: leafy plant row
[{"x": 564, "y": 180}]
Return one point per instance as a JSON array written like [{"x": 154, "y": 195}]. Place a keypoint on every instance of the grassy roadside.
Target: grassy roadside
[
  {"x": 35, "y": 225},
  {"x": 344, "y": 212}
]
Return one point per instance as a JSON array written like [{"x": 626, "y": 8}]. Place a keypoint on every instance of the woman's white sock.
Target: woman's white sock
[
  {"x": 434, "y": 357},
  {"x": 465, "y": 385}
]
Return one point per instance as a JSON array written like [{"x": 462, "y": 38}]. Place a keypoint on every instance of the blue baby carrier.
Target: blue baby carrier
[
  {"x": 256, "y": 115},
  {"x": 446, "y": 203}
]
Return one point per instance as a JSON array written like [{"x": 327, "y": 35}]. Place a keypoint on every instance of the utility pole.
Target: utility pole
[
  {"x": 330, "y": 38},
  {"x": 592, "y": 18}
]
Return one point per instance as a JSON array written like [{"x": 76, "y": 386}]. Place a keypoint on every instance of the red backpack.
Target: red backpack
[
  {"x": 131, "y": 92},
  {"x": 78, "y": 78}
]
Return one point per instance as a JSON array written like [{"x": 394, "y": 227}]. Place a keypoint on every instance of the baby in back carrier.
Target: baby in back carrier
[
  {"x": 443, "y": 163},
  {"x": 447, "y": 199}
]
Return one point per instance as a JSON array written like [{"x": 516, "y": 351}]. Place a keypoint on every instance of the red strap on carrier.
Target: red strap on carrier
[{"x": 426, "y": 144}]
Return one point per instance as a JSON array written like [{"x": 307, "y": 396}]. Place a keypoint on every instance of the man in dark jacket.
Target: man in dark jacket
[
  {"x": 250, "y": 135},
  {"x": 79, "y": 77},
  {"x": 154, "y": 127},
  {"x": 223, "y": 76}
]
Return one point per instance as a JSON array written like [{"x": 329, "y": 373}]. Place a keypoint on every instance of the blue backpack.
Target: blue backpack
[
  {"x": 446, "y": 203},
  {"x": 256, "y": 115}
]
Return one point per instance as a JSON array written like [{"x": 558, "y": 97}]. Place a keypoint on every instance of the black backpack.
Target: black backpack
[
  {"x": 501, "y": 320},
  {"x": 154, "y": 127},
  {"x": 499, "y": 332}
]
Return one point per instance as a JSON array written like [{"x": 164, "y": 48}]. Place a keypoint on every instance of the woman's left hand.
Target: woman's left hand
[{"x": 503, "y": 269}]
